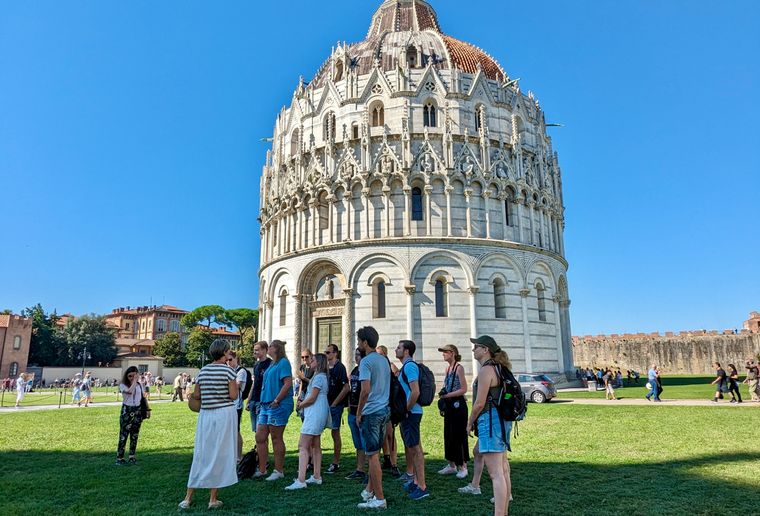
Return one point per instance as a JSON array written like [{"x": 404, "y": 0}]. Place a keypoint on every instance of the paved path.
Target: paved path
[
  {"x": 643, "y": 401},
  {"x": 36, "y": 408}
]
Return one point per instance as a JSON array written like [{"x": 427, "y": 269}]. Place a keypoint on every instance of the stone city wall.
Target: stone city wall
[{"x": 676, "y": 353}]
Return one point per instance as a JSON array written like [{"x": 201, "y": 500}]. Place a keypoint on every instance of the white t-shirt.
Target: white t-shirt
[{"x": 240, "y": 377}]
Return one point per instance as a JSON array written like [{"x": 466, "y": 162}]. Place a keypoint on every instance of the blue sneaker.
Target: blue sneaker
[
  {"x": 409, "y": 486},
  {"x": 418, "y": 494}
]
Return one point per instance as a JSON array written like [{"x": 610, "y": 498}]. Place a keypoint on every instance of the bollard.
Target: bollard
[{"x": 60, "y": 397}]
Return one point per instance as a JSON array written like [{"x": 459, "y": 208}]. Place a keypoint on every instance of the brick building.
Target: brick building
[
  {"x": 753, "y": 323},
  {"x": 147, "y": 322},
  {"x": 15, "y": 336}
]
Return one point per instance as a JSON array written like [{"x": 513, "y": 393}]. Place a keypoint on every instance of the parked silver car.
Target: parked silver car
[{"x": 538, "y": 388}]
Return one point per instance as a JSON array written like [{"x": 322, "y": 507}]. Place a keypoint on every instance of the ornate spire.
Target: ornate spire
[{"x": 403, "y": 15}]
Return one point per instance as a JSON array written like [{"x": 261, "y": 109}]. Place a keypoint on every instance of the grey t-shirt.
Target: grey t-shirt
[{"x": 375, "y": 368}]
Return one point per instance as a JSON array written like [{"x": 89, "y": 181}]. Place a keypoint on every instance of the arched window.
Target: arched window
[
  {"x": 541, "y": 302},
  {"x": 417, "y": 213},
  {"x": 507, "y": 208},
  {"x": 355, "y": 131},
  {"x": 283, "y": 307},
  {"x": 480, "y": 117},
  {"x": 378, "y": 299},
  {"x": 500, "y": 298},
  {"x": 441, "y": 308},
  {"x": 324, "y": 214},
  {"x": 17, "y": 342},
  {"x": 430, "y": 117},
  {"x": 328, "y": 130},
  {"x": 411, "y": 57},
  {"x": 294, "y": 142},
  {"x": 14, "y": 369},
  {"x": 377, "y": 113}
]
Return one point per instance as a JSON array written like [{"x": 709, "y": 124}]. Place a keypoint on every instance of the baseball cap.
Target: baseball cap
[{"x": 487, "y": 342}]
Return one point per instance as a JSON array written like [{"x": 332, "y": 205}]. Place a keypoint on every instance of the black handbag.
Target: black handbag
[
  {"x": 144, "y": 408},
  {"x": 442, "y": 405}
]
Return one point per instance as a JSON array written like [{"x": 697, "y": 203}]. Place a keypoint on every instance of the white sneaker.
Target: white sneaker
[
  {"x": 373, "y": 503},
  {"x": 315, "y": 481},
  {"x": 276, "y": 475},
  {"x": 510, "y": 499},
  {"x": 448, "y": 470},
  {"x": 259, "y": 474},
  {"x": 295, "y": 485},
  {"x": 367, "y": 495},
  {"x": 468, "y": 489},
  {"x": 462, "y": 473}
]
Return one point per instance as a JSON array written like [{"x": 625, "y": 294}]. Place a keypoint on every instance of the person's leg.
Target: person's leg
[
  {"x": 123, "y": 433},
  {"x": 189, "y": 495},
  {"x": 508, "y": 477},
  {"x": 419, "y": 466},
  {"x": 375, "y": 476},
  {"x": 134, "y": 433},
  {"x": 495, "y": 464},
  {"x": 304, "y": 450},
  {"x": 213, "y": 496},
  {"x": 262, "y": 447},
  {"x": 478, "y": 467},
  {"x": 316, "y": 456},
  {"x": 337, "y": 445},
  {"x": 278, "y": 447}
]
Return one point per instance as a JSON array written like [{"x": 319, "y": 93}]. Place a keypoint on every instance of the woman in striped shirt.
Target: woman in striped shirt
[{"x": 215, "y": 450}]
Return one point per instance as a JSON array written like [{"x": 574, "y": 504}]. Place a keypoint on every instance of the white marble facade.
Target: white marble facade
[{"x": 412, "y": 187}]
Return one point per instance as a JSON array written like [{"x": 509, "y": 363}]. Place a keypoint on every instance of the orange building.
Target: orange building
[
  {"x": 147, "y": 322},
  {"x": 15, "y": 337}
]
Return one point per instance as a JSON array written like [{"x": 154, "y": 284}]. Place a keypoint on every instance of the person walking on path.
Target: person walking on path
[
  {"x": 130, "y": 419},
  {"x": 20, "y": 389},
  {"x": 336, "y": 397},
  {"x": 86, "y": 389},
  {"x": 373, "y": 412},
  {"x": 654, "y": 389},
  {"x": 410, "y": 426},
  {"x": 609, "y": 389},
  {"x": 733, "y": 384},
  {"x": 177, "y": 388},
  {"x": 316, "y": 417},
  {"x": 215, "y": 448},
  {"x": 752, "y": 379},
  {"x": 276, "y": 407},
  {"x": 491, "y": 430},
  {"x": 455, "y": 442},
  {"x": 721, "y": 382}
]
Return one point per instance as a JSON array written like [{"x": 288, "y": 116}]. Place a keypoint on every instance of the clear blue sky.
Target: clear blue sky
[{"x": 130, "y": 154}]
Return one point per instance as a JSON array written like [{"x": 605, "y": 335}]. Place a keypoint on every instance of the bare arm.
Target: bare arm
[
  {"x": 485, "y": 377},
  {"x": 311, "y": 399},
  {"x": 414, "y": 394},
  {"x": 234, "y": 389},
  {"x": 287, "y": 383},
  {"x": 363, "y": 396},
  {"x": 341, "y": 396}
]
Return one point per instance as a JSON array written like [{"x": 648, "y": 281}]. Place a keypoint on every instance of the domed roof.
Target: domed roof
[{"x": 399, "y": 25}]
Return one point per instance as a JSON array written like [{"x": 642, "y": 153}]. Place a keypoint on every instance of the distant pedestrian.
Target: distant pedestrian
[
  {"x": 720, "y": 382},
  {"x": 652, "y": 385},
  {"x": 214, "y": 453},
  {"x": 86, "y": 389},
  {"x": 178, "y": 390},
  {"x": 130, "y": 419},
  {"x": 20, "y": 389},
  {"x": 636, "y": 376},
  {"x": 752, "y": 379},
  {"x": 733, "y": 384},
  {"x": 609, "y": 388}
]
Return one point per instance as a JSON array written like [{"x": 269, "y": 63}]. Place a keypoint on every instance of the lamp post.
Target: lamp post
[{"x": 84, "y": 355}]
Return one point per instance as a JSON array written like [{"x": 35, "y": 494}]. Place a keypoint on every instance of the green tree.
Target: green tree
[
  {"x": 210, "y": 314},
  {"x": 7, "y": 311},
  {"x": 47, "y": 342},
  {"x": 170, "y": 348},
  {"x": 245, "y": 321},
  {"x": 91, "y": 332},
  {"x": 198, "y": 342}
]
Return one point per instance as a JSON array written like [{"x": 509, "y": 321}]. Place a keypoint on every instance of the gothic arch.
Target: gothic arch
[{"x": 466, "y": 269}]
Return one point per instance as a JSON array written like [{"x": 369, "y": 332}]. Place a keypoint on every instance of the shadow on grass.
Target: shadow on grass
[{"x": 89, "y": 483}]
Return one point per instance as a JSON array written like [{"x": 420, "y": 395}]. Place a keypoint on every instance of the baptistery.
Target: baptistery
[{"x": 411, "y": 186}]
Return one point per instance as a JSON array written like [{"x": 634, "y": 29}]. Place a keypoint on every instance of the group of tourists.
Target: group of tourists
[
  {"x": 727, "y": 382},
  {"x": 380, "y": 398}
]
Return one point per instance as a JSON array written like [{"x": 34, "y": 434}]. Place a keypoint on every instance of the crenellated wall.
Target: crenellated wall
[{"x": 683, "y": 353}]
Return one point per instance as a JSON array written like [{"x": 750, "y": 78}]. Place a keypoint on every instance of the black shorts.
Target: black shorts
[{"x": 410, "y": 430}]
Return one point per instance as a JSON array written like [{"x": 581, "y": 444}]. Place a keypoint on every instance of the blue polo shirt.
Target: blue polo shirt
[{"x": 412, "y": 373}]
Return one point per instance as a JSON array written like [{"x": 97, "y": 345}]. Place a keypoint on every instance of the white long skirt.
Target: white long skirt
[{"x": 214, "y": 456}]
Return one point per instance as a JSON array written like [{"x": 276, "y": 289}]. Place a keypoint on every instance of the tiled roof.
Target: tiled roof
[
  {"x": 469, "y": 58},
  {"x": 5, "y": 320}
]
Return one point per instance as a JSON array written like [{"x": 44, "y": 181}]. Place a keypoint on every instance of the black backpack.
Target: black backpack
[
  {"x": 397, "y": 400},
  {"x": 248, "y": 384},
  {"x": 248, "y": 464},
  {"x": 426, "y": 384},
  {"x": 512, "y": 404}
]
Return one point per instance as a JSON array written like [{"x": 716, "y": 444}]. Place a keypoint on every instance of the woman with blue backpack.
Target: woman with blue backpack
[{"x": 489, "y": 420}]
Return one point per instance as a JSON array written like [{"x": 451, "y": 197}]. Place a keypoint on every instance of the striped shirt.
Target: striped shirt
[{"x": 214, "y": 381}]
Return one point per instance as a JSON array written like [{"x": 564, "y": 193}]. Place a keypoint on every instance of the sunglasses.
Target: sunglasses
[{"x": 304, "y": 357}]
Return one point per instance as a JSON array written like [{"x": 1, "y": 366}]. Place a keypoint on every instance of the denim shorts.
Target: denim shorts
[
  {"x": 255, "y": 410},
  {"x": 410, "y": 430},
  {"x": 336, "y": 414},
  {"x": 275, "y": 416},
  {"x": 356, "y": 434},
  {"x": 373, "y": 430},
  {"x": 490, "y": 437}
]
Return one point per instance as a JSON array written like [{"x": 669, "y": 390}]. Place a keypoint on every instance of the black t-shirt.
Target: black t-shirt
[
  {"x": 258, "y": 378},
  {"x": 308, "y": 373},
  {"x": 338, "y": 379},
  {"x": 355, "y": 392}
]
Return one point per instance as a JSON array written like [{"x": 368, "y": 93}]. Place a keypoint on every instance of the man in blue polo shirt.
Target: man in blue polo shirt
[{"x": 410, "y": 427}]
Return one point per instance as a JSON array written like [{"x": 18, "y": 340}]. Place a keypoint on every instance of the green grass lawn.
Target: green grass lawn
[
  {"x": 674, "y": 387},
  {"x": 54, "y": 396},
  {"x": 568, "y": 459}
]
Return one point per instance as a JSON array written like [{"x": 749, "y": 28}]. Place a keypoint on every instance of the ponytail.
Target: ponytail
[{"x": 502, "y": 359}]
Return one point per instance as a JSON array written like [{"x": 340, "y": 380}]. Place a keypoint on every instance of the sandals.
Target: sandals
[
  {"x": 184, "y": 504},
  {"x": 215, "y": 505}
]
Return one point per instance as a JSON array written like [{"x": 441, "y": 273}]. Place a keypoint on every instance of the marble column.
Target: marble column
[
  {"x": 314, "y": 223},
  {"x": 348, "y": 329},
  {"x": 330, "y": 218},
  {"x": 365, "y": 194},
  {"x": 388, "y": 218},
  {"x": 349, "y": 209},
  {"x": 520, "y": 230},
  {"x": 473, "y": 291},
  {"x": 486, "y": 198},
  {"x": 270, "y": 321},
  {"x": 558, "y": 334},
  {"x": 531, "y": 206},
  {"x": 410, "y": 290},
  {"x": 407, "y": 210},
  {"x": 526, "y": 331},
  {"x": 294, "y": 224},
  {"x": 298, "y": 327},
  {"x": 448, "y": 191},
  {"x": 467, "y": 194},
  {"x": 428, "y": 202}
]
